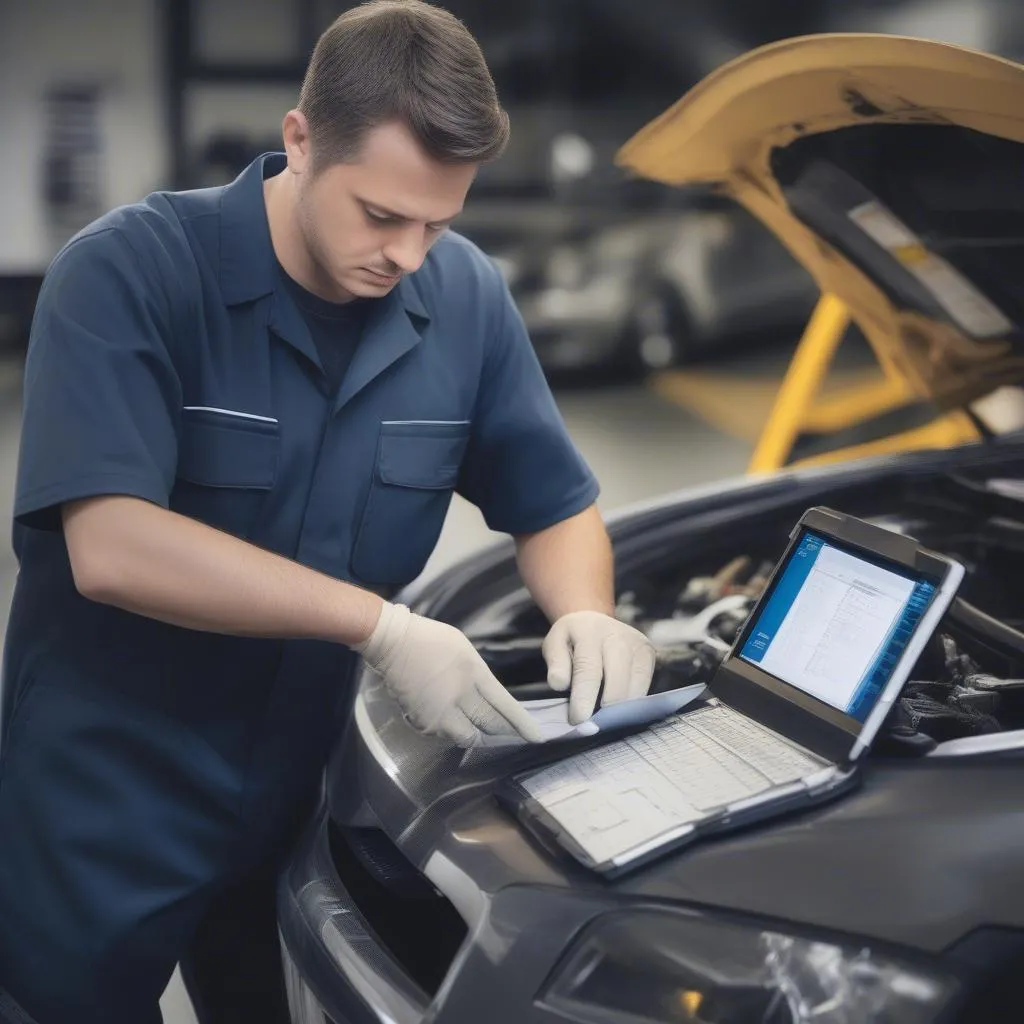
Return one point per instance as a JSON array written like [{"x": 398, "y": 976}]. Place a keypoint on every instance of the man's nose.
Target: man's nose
[{"x": 407, "y": 249}]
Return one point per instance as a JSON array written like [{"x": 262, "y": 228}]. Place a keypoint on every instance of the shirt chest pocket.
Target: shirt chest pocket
[
  {"x": 416, "y": 470},
  {"x": 227, "y": 464}
]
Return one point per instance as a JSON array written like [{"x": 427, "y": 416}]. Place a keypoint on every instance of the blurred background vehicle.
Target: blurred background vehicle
[{"x": 642, "y": 283}]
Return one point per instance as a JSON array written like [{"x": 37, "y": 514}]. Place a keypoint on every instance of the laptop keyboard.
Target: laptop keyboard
[
  {"x": 716, "y": 756},
  {"x": 762, "y": 750}
]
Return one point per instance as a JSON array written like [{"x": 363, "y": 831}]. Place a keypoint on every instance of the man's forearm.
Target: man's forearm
[
  {"x": 569, "y": 567},
  {"x": 137, "y": 556}
]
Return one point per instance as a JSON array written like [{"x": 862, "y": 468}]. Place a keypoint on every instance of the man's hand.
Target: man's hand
[
  {"x": 584, "y": 648},
  {"x": 568, "y": 567},
  {"x": 440, "y": 681}
]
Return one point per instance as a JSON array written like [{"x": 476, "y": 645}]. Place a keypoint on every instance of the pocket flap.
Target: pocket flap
[
  {"x": 421, "y": 460},
  {"x": 236, "y": 453}
]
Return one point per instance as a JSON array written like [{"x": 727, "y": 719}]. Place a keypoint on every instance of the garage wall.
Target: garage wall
[
  {"x": 116, "y": 44},
  {"x": 980, "y": 24},
  {"x": 49, "y": 42},
  {"x": 246, "y": 32}
]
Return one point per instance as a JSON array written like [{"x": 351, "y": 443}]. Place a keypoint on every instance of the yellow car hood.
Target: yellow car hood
[{"x": 893, "y": 170}]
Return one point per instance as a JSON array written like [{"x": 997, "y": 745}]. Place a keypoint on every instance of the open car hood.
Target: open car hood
[{"x": 893, "y": 170}]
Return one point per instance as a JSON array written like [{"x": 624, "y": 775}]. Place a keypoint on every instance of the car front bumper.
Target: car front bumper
[
  {"x": 338, "y": 970},
  {"x": 347, "y": 976}
]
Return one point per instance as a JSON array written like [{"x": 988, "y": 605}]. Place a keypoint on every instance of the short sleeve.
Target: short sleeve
[
  {"x": 521, "y": 467},
  {"x": 101, "y": 393}
]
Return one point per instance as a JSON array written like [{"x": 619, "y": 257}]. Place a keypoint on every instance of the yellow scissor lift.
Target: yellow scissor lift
[{"x": 798, "y": 408}]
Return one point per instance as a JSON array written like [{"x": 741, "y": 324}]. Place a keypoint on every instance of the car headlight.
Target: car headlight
[{"x": 657, "y": 967}]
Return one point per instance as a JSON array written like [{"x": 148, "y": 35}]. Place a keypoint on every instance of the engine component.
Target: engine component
[
  {"x": 756, "y": 584},
  {"x": 732, "y": 579},
  {"x": 989, "y": 631},
  {"x": 628, "y": 609},
  {"x": 947, "y": 708},
  {"x": 946, "y": 720},
  {"x": 986, "y": 682},
  {"x": 726, "y": 627},
  {"x": 901, "y": 736},
  {"x": 697, "y": 628},
  {"x": 701, "y": 591},
  {"x": 684, "y": 665}
]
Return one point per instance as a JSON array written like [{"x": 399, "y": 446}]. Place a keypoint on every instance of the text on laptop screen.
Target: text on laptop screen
[{"x": 836, "y": 624}]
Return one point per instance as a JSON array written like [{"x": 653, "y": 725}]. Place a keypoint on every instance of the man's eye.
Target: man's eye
[{"x": 379, "y": 218}]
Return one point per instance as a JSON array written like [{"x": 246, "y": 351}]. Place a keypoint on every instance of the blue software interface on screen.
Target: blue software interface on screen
[{"x": 836, "y": 625}]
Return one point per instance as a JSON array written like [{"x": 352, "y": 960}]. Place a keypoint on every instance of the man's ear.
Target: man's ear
[{"x": 297, "y": 143}]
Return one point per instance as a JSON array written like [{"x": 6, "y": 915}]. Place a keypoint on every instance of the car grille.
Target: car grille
[
  {"x": 416, "y": 924},
  {"x": 383, "y": 861}
]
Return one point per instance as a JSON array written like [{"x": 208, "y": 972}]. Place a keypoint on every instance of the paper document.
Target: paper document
[
  {"x": 552, "y": 715},
  {"x": 610, "y": 801}
]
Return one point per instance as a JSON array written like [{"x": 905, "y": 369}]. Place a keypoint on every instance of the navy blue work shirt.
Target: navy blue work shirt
[{"x": 168, "y": 361}]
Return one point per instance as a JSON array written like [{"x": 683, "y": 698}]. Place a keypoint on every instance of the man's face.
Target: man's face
[{"x": 366, "y": 223}]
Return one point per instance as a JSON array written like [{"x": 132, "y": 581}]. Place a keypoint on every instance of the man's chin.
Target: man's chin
[{"x": 371, "y": 291}]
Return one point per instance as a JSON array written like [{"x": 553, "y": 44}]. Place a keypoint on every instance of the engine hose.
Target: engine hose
[{"x": 985, "y": 627}]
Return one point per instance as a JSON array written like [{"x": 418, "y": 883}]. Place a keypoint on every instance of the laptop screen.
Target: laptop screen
[{"x": 836, "y": 623}]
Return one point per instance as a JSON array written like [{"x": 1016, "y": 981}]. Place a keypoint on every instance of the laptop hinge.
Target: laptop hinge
[{"x": 773, "y": 709}]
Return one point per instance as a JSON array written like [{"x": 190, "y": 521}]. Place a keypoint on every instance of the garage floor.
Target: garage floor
[{"x": 641, "y": 440}]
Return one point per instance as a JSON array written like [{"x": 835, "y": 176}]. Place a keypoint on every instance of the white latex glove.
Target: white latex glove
[
  {"x": 440, "y": 681},
  {"x": 584, "y": 648}
]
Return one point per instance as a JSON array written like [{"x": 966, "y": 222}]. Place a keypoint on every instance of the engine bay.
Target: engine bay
[{"x": 968, "y": 682}]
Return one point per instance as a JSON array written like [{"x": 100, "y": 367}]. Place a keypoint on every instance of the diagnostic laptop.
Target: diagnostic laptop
[{"x": 788, "y": 715}]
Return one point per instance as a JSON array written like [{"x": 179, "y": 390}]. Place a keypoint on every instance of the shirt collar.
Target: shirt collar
[{"x": 248, "y": 266}]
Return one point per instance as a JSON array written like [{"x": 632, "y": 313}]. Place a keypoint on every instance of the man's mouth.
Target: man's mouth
[{"x": 384, "y": 276}]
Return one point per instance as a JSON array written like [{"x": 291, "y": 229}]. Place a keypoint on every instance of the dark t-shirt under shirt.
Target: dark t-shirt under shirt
[{"x": 336, "y": 328}]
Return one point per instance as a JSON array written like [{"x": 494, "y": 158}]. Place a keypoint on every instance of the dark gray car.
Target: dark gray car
[
  {"x": 415, "y": 897},
  {"x": 892, "y": 168}
]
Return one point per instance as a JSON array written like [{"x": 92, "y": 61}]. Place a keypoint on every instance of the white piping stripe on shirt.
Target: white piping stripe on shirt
[
  {"x": 229, "y": 412},
  {"x": 424, "y": 423}
]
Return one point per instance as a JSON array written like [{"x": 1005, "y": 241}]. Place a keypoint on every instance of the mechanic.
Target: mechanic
[{"x": 246, "y": 409}]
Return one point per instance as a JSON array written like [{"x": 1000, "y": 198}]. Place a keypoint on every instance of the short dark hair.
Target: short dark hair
[{"x": 408, "y": 61}]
